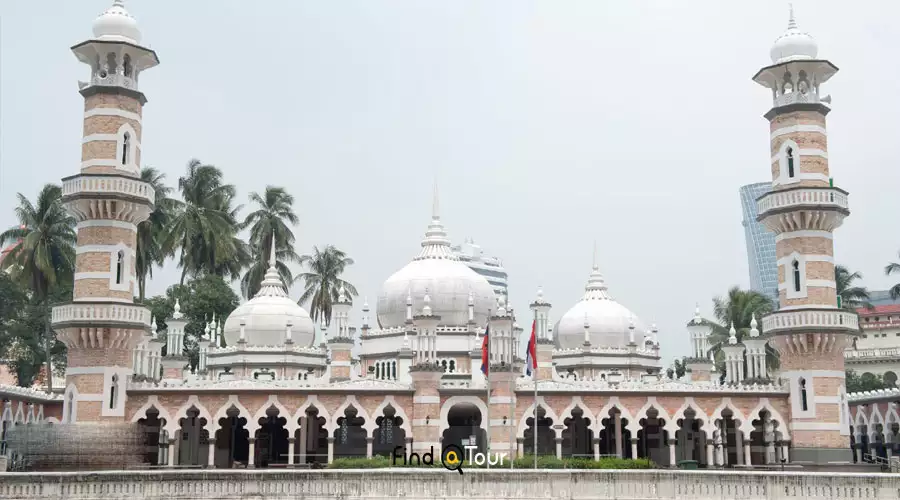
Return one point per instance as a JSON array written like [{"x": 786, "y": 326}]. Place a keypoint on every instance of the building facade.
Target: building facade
[
  {"x": 877, "y": 350},
  {"x": 265, "y": 392},
  {"x": 760, "y": 242},
  {"x": 491, "y": 268}
]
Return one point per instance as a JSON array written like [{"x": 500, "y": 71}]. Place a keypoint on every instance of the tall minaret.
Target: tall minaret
[
  {"x": 102, "y": 325},
  {"x": 809, "y": 331}
]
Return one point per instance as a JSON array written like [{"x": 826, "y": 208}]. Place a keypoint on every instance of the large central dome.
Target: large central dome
[
  {"x": 609, "y": 322},
  {"x": 448, "y": 282}
]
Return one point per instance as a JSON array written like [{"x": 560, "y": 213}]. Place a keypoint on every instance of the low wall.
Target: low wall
[{"x": 443, "y": 484}]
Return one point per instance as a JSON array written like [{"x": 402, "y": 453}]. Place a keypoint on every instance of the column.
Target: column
[
  {"x": 521, "y": 446},
  {"x": 769, "y": 438},
  {"x": 710, "y": 459},
  {"x": 211, "y": 459},
  {"x": 559, "y": 448},
  {"x": 304, "y": 421},
  {"x": 596, "y": 449},
  {"x": 856, "y": 452},
  {"x": 369, "y": 440},
  {"x": 634, "y": 450},
  {"x": 291, "y": 446},
  {"x": 251, "y": 456},
  {"x": 171, "y": 458},
  {"x": 330, "y": 449},
  {"x": 747, "y": 461},
  {"x": 739, "y": 446},
  {"x": 785, "y": 453},
  {"x": 672, "y": 453},
  {"x": 618, "y": 425}
]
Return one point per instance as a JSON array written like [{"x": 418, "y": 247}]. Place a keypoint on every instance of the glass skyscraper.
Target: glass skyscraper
[{"x": 760, "y": 243}]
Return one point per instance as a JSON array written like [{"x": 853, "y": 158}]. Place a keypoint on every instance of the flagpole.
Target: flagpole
[
  {"x": 487, "y": 380},
  {"x": 534, "y": 377},
  {"x": 512, "y": 390}
]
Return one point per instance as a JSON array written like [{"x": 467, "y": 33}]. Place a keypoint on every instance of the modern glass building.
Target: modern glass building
[
  {"x": 760, "y": 243},
  {"x": 489, "y": 267}
]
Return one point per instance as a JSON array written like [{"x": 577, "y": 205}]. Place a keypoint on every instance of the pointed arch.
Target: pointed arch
[
  {"x": 223, "y": 413},
  {"x": 70, "y": 405},
  {"x": 529, "y": 413},
  {"x": 634, "y": 425},
  {"x": 679, "y": 414},
  {"x": 312, "y": 400},
  {"x": 577, "y": 402},
  {"x": 291, "y": 424},
  {"x": 861, "y": 419},
  {"x": 40, "y": 413},
  {"x": 181, "y": 412},
  {"x": 875, "y": 420},
  {"x": 152, "y": 402},
  {"x": 19, "y": 417},
  {"x": 765, "y": 404},
  {"x": 379, "y": 412},
  {"x": 614, "y": 403},
  {"x": 332, "y": 424},
  {"x": 454, "y": 400},
  {"x": 727, "y": 404}
]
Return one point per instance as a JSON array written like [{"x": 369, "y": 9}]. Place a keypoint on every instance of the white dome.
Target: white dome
[
  {"x": 608, "y": 321},
  {"x": 117, "y": 25},
  {"x": 794, "y": 44},
  {"x": 266, "y": 317},
  {"x": 447, "y": 281}
]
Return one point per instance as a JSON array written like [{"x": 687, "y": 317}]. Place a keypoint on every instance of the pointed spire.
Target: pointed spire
[
  {"x": 732, "y": 335},
  {"x": 697, "y": 319},
  {"x": 177, "y": 314},
  {"x": 594, "y": 257},
  {"x": 272, "y": 285},
  {"x": 426, "y": 308},
  {"x": 631, "y": 330},
  {"x": 272, "y": 252},
  {"x": 753, "y": 324},
  {"x": 213, "y": 324},
  {"x": 792, "y": 23},
  {"x": 435, "y": 203},
  {"x": 596, "y": 286},
  {"x": 436, "y": 244}
]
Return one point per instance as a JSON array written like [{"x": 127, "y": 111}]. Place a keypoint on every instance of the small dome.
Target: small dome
[
  {"x": 439, "y": 272},
  {"x": 794, "y": 44},
  {"x": 267, "y": 314},
  {"x": 117, "y": 25},
  {"x": 608, "y": 321}
]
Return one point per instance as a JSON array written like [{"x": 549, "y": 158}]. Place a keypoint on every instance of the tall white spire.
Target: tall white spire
[
  {"x": 272, "y": 284},
  {"x": 596, "y": 286},
  {"x": 436, "y": 244}
]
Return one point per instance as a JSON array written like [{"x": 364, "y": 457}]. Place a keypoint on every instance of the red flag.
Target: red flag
[
  {"x": 484, "y": 350},
  {"x": 531, "y": 354}
]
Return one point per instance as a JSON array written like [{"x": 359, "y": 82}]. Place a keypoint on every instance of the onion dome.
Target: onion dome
[
  {"x": 608, "y": 321},
  {"x": 794, "y": 44},
  {"x": 267, "y": 315},
  {"x": 438, "y": 272},
  {"x": 117, "y": 25}
]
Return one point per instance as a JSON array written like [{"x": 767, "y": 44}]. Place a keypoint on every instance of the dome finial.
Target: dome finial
[
  {"x": 732, "y": 334},
  {"x": 435, "y": 202},
  {"x": 792, "y": 23},
  {"x": 272, "y": 251},
  {"x": 436, "y": 245},
  {"x": 177, "y": 314},
  {"x": 594, "y": 257}
]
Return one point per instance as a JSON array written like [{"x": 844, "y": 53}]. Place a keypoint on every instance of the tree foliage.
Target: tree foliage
[
  {"x": 865, "y": 382},
  {"x": 852, "y": 297},
  {"x": 323, "y": 281}
]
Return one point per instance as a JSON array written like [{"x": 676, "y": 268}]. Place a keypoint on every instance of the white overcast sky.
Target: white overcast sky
[{"x": 548, "y": 125}]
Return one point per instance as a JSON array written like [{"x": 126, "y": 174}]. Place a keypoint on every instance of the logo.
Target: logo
[{"x": 452, "y": 457}]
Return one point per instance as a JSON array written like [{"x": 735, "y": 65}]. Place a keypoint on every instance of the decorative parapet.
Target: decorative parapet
[
  {"x": 812, "y": 319},
  {"x": 426, "y": 367},
  {"x": 266, "y": 349},
  {"x": 859, "y": 397},
  {"x": 400, "y": 330},
  {"x": 341, "y": 340},
  {"x": 27, "y": 393},
  {"x": 201, "y": 384},
  {"x": 114, "y": 80},
  {"x": 652, "y": 385},
  {"x": 796, "y": 198},
  {"x": 872, "y": 354},
  {"x": 100, "y": 314},
  {"x": 620, "y": 351}
]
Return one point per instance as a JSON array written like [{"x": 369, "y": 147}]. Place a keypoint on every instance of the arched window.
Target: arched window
[
  {"x": 790, "y": 161},
  {"x": 796, "y": 274},
  {"x": 804, "y": 405},
  {"x": 126, "y": 146},
  {"x": 126, "y": 65},
  {"x": 452, "y": 366},
  {"x": 70, "y": 409},
  {"x": 120, "y": 266},
  {"x": 113, "y": 391}
]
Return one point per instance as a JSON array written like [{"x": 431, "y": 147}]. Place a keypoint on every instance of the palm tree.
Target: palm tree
[
  {"x": 323, "y": 281},
  {"x": 852, "y": 297},
  {"x": 44, "y": 257},
  {"x": 151, "y": 232},
  {"x": 738, "y": 308},
  {"x": 204, "y": 228},
  {"x": 891, "y": 268},
  {"x": 268, "y": 222}
]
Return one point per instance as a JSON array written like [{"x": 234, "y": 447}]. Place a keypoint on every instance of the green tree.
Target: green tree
[
  {"x": 738, "y": 308},
  {"x": 891, "y": 268},
  {"x": 12, "y": 304},
  {"x": 852, "y": 297},
  {"x": 44, "y": 258},
  {"x": 151, "y": 232},
  {"x": 270, "y": 221},
  {"x": 677, "y": 370},
  {"x": 203, "y": 229},
  {"x": 323, "y": 282},
  {"x": 200, "y": 299},
  {"x": 855, "y": 382}
]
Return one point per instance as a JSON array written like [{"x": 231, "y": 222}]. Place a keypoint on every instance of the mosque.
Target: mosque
[{"x": 266, "y": 394}]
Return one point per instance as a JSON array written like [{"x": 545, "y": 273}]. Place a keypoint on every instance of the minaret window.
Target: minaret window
[
  {"x": 113, "y": 391},
  {"x": 126, "y": 146},
  {"x": 111, "y": 63},
  {"x": 804, "y": 405},
  {"x": 70, "y": 409},
  {"x": 796, "y": 274},
  {"x": 120, "y": 266},
  {"x": 790, "y": 161},
  {"x": 126, "y": 66}
]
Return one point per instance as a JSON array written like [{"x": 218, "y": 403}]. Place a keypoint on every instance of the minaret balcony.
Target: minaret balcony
[
  {"x": 797, "y": 98},
  {"x": 811, "y": 320},
  {"x": 803, "y": 208},
  {"x": 114, "y": 80},
  {"x": 100, "y": 315},
  {"x": 108, "y": 196}
]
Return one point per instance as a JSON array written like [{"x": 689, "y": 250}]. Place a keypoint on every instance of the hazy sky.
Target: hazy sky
[{"x": 548, "y": 125}]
